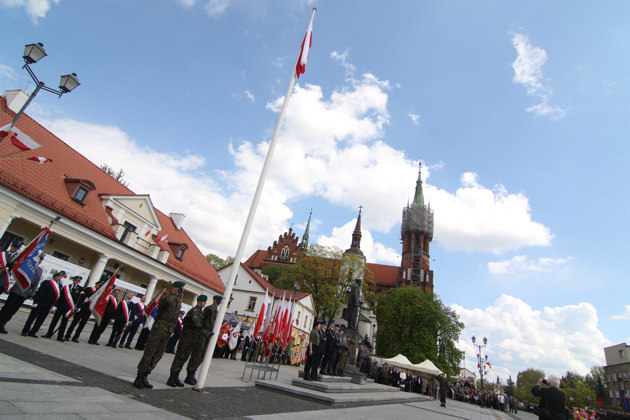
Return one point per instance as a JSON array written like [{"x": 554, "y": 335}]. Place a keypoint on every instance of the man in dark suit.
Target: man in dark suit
[
  {"x": 121, "y": 318},
  {"x": 136, "y": 317},
  {"x": 17, "y": 296},
  {"x": 246, "y": 345},
  {"x": 110, "y": 311},
  {"x": 65, "y": 303},
  {"x": 83, "y": 313},
  {"x": 45, "y": 297},
  {"x": 552, "y": 399}
]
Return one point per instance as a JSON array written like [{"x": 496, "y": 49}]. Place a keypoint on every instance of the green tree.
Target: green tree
[
  {"x": 274, "y": 272},
  {"x": 571, "y": 380},
  {"x": 525, "y": 380},
  {"x": 596, "y": 381},
  {"x": 316, "y": 271},
  {"x": 418, "y": 325},
  {"x": 509, "y": 387},
  {"x": 118, "y": 176},
  {"x": 218, "y": 262}
]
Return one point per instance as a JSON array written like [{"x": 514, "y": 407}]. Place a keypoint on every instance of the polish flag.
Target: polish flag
[
  {"x": 18, "y": 138},
  {"x": 5, "y": 277},
  {"x": 160, "y": 239},
  {"x": 300, "y": 67},
  {"x": 224, "y": 335},
  {"x": 98, "y": 301},
  {"x": 261, "y": 316},
  {"x": 40, "y": 159},
  {"x": 154, "y": 303},
  {"x": 152, "y": 231}
]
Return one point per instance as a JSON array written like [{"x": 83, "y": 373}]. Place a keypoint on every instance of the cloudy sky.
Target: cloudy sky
[{"x": 517, "y": 116}]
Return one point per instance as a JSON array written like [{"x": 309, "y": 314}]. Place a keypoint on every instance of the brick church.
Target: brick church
[{"x": 416, "y": 235}]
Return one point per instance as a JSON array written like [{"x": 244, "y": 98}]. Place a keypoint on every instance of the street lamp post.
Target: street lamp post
[
  {"x": 32, "y": 54},
  {"x": 480, "y": 360}
]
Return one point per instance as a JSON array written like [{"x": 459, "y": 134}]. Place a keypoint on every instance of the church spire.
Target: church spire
[
  {"x": 419, "y": 197},
  {"x": 305, "y": 236},
  {"x": 355, "y": 248}
]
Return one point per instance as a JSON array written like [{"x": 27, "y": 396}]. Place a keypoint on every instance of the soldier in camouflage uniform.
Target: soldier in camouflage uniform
[
  {"x": 165, "y": 320},
  {"x": 191, "y": 344},
  {"x": 209, "y": 315}
]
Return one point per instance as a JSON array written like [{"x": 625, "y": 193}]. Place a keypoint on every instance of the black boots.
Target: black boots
[
  {"x": 145, "y": 380},
  {"x": 138, "y": 383},
  {"x": 173, "y": 380},
  {"x": 190, "y": 378}
]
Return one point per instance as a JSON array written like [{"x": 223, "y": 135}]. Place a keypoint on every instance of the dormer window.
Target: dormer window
[
  {"x": 180, "y": 253},
  {"x": 178, "y": 249},
  {"x": 79, "y": 189}
]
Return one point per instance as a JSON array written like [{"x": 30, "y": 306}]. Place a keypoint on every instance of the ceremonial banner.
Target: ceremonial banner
[
  {"x": 26, "y": 262},
  {"x": 98, "y": 301}
]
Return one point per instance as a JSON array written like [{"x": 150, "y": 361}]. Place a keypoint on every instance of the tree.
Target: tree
[
  {"x": 418, "y": 325},
  {"x": 218, "y": 262},
  {"x": 596, "y": 381},
  {"x": 571, "y": 380},
  {"x": 525, "y": 381},
  {"x": 274, "y": 272},
  {"x": 509, "y": 387},
  {"x": 118, "y": 176}
]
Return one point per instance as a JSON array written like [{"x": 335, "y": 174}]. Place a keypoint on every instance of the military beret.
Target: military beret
[
  {"x": 316, "y": 323},
  {"x": 76, "y": 277},
  {"x": 179, "y": 283},
  {"x": 331, "y": 322},
  {"x": 217, "y": 297},
  {"x": 202, "y": 298}
]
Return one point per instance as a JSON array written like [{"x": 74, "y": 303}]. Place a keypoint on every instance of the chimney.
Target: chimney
[
  {"x": 178, "y": 219},
  {"x": 16, "y": 98}
]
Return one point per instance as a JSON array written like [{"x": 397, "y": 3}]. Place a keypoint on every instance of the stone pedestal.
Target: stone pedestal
[{"x": 352, "y": 371}]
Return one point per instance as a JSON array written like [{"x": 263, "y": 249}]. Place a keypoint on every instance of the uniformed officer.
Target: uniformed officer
[
  {"x": 331, "y": 349},
  {"x": 83, "y": 314},
  {"x": 192, "y": 342},
  {"x": 167, "y": 313},
  {"x": 44, "y": 298},
  {"x": 311, "y": 353},
  {"x": 65, "y": 302},
  {"x": 17, "y": 296}
]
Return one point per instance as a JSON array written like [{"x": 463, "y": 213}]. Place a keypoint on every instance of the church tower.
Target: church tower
[
  {"x": 416, "y": 234},
  {"x": 306, "y": 232},
  {"x": 355, "y": 246}
]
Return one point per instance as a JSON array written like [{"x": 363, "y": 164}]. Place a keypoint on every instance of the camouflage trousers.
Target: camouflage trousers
[
  {"x": 191, "y": 345},
  {"x": 154, "y": 350}
]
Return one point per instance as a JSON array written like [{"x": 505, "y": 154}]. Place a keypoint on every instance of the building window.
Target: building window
[
  {"x": 60, "y": 255},
  {"x": 252, "y": 304},
  {"x": 80, "y": 194},
  {"x": 284, "y": 254},
  {"x": 128, "y": 228},
  {"x": 180, "y": 253},
  {"x": 621, "y": 354}
]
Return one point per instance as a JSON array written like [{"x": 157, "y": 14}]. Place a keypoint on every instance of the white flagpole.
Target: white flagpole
[{"x": 205, "y": 366}]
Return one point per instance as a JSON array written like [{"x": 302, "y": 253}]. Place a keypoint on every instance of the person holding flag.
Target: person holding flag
[
  {"x": 167, "y": 313},
  {"x": 17, "y": 296},
  {"x": 121, "y": 320},
  {"x": 138, "y": 317},
  {"x": 65, "y": 309},
  {"x": 44, "y": 299},
  {"x": 83, "y": 313},
  {"x": 102, "y": 319}
]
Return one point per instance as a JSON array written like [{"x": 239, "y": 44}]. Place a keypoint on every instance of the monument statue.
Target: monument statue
[{"x": 354, "y": 303}]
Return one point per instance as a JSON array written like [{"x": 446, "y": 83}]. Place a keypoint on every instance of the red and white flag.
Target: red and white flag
[
  {"x": 236, "y": 332},
  {"x": 98, "y": 301},
  {"x": 152, "y": 231},
  {"x": 18, "y": 138},
  {"x": 300, "y": 67},
  {"x": 261, "y": 316},
  {"x": 40, "y": 159},
  {"x": 161, "y": 238},
  {"x": 5, "y": 277},
  {"x": 154, "y": 303},
  {"x": 224, "y": 335},
  {"x": 25, "y": 264}
]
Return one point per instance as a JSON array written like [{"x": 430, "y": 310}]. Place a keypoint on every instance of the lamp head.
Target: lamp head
[
  {"x": 68, "y": 82},
  {"x": 485, "y": 341},
  {"x": 34, "y": 52},
  {"x": 473, "y": 339}
]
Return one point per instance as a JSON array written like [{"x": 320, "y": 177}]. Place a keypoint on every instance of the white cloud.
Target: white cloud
[
  {"x": 212, "y": 7},
  {"x": 415, "y": 118},
  {"x": 522, "y": 263},
  {"x": 250, "y": 96},
  {"x": 625, "y": 315},
  {"x": 374, "y": 251},
  {"x": 330, "y": 149},
  {"x": 7, "y": 73},
  {"x": 476, "y": 218},
  {"x": 342, "y": 58},
  {"x": 555, "y": 340},
  {"x": 35, "y": 9},
  {"x": 528, "y": 72}
]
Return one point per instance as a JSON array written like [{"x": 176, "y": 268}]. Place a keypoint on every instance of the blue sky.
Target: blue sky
[{"x": 517, "y": 111}]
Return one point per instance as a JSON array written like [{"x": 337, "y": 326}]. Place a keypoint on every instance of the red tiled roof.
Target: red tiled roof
[
  {"x": 256, "y": 259},
  {"x": 385, "y": 275},
  {"x": 45, "y": 185}
]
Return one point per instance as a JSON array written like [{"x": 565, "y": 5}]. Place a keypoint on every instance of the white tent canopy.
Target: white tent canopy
[
  {"x": 400, "y": 361},
  {"x": 428, "y": 367}
]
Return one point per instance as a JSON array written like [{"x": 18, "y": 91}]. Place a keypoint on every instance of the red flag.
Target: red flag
[
  {"x": 40, "y": 159},
  {"x": 300, "y": 67},
  {"x": 26, "y": 262},
  {"x": 98, "y": 301},
  {"x": 5, "y": 277},
  {"x": 224, "y": 335},
  {"x": 154, "y": 303},
  {"x": 261, "y": 316}
]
